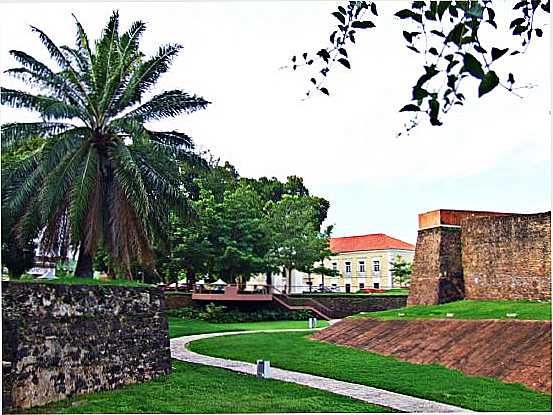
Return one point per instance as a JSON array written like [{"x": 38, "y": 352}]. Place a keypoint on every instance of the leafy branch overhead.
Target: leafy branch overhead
[
  {"x": 351, "y": 18},
  {"x": 447, "y": 35}
]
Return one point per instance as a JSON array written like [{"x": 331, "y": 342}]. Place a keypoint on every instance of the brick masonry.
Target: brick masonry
[
  {"x": 511, "y": 350},
  {"x": 343, "y": 306},
  {"x": 507, "y": 257},
  {"x": 62, "y": 340},
  {"x": 437, "y": 268},
  {"x": 486, "y": 257}
]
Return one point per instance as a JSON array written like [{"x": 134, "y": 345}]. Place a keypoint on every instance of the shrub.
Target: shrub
[
  {"x": 214, "y": 313},
  {"x": 220, "y": 314},
  {"x": 184, "y": 312}
]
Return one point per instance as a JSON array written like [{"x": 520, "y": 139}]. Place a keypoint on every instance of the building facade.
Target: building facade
[{"x": 360, "y": 262}]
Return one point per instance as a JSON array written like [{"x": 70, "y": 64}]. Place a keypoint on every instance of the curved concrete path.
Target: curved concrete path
[{"x": 364, "y": 393}]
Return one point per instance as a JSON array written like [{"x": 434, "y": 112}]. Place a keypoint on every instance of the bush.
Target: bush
[
  {"x": 189, "y": 313},
  {"x": 214, "y": 313},
  {"x": 220, "y": 314}
]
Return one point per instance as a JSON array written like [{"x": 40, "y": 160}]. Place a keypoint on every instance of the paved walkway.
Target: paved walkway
[{"x": 364, "y": 393}]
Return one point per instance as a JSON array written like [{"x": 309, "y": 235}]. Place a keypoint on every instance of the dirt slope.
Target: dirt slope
[{"x": 513, "y": 351}]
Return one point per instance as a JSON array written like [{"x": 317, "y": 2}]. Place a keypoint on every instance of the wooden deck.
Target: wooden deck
[{"x": 230, "y": 293}]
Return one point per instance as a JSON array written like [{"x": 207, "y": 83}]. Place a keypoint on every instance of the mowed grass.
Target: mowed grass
[
  {"x": 181, "y": 327},
  {"x": 470, "y": 310},
  {"x": 295, "y": 351},
  {"x": 192, "y": 388}
]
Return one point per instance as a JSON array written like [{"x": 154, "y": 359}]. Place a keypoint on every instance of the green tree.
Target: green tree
[
  {"x": 401, "y": 271},
  {"x": 191, "y": 251},
  {"x": 241, "y": 242},
  {"x": 296, "y": 242},
  {"x": 102, "y": 177},
  {"x": 325, "y": 253},
  {"x": 17, "y": 257}
]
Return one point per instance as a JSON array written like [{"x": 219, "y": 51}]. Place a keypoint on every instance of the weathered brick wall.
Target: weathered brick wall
[
  {"x": 437, "y": 268},
  {"x": 343, "y": 306},
  {"x": 511, "y": 350},
  {"x": 63, "y": 340},
  {"x": 507, "y": 257}
]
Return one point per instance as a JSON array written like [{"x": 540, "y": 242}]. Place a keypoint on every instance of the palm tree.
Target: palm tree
[{"x": 101, "y": 178}]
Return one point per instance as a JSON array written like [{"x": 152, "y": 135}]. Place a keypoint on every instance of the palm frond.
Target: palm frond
[
  {"x": 129, "y": 178},
  {"x": 146, "y": 75},
  {"x": 28, "y": 223},
  {"x": 59, "y": 57},
  {"x": 55, "y": 237},
  {"x": 42, "y": 75},
  {"x": 55, "y": 190},
  {"x": 107, "y": 54},
  {"x": 172, "y": 138},
  {"x": 168, "y": 104},
  {"x": 15, "y": 134},
  {"x": 81, "y": 190},
  {"x": 49, "y": 108}
]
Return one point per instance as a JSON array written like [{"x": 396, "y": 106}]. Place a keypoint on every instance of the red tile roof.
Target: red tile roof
[{"x": 367, "y": 243}]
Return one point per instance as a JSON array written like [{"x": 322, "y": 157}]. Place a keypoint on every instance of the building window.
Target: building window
[
  {"x": 334, "y": 266},
  {"x": 376, "y": 285},
  {"x": 361, "y": 285},
  {"x": 361, "y": 266},
  {"x": 348, "y": 267},
  {"x": 321, "y": 286},
  {"x": 334, "y": 286},
  {"x": 376, "y": 265},
  {"x": 348, "y": 288}
]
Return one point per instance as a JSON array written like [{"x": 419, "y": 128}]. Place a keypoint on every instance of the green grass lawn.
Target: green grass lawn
[
  {"x": 470, "y": 310},
  {"x": 295, "y": 351},
  {"x": 84, "y": 281},
  {"x": 200, "y": 389},
  {"x": 180, "y": 327}
]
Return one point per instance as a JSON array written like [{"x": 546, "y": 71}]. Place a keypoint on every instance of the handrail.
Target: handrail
[{"x": 318, "y": 305}]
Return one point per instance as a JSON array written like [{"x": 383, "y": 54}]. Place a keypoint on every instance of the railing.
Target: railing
[
  {"x": 303, "y": 303},
  {"x": 338, "y": 289},
  {"x": 233, "y": 288}
]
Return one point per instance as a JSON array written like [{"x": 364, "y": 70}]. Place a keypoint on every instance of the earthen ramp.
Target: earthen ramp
[{"x": 511, "y": 350}]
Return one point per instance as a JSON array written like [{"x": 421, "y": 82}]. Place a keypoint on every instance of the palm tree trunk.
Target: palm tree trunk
[{"x": 84, "y": 265}]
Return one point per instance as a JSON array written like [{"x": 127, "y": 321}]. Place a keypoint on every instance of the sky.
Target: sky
[{"x": 492, "y": 154}]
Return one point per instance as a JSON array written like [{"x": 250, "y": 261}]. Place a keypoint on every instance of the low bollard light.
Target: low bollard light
[
  {"x": 263, "y": 368},
  {"x": 312, "y": 322}
]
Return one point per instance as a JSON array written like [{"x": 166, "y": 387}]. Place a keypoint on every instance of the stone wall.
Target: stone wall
[
  {"x": 437, "y": 268},
  {"x": 502, "y": 257},
  {"x": 343, "y": 306},
  {"x": 507, "y": 257},
  {"x": 62, "y": 340}
]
